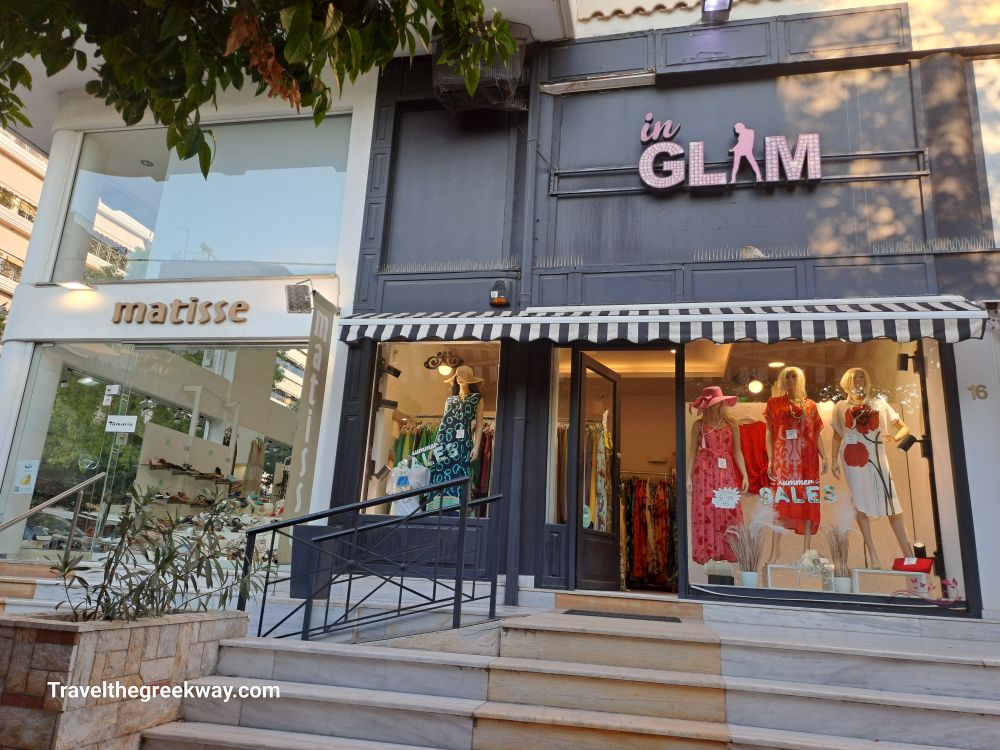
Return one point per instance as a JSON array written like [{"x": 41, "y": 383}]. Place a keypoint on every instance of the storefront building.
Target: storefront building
[
  {"x": 792, "y": 210},
  {"x": 159, "y": 333}
]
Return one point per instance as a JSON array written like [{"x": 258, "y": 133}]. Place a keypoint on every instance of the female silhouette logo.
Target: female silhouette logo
[{"x": 743, "y": 150}]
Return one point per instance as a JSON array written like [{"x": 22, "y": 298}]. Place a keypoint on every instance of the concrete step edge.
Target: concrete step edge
[
  {"x": 773, "y": 739},
  {"x": 359, "y": 651},
  {"x": 351, "y": 695},
  {"x": 229, "y": 736},
  {"x": 845, "y": 694}
]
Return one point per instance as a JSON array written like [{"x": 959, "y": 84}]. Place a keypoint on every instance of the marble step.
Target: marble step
[
  {"x": 183, "y": 735},
  {"x": 965, "y": 723},
  {"x": 897, "y": 663},
  {"x": 617, "y": 642},
  {"x": 16, "y": 586},
  {"x": 400, "y": 670},
  {"x": 502, "y": 726},
  {"x": 352, "y": 713}
]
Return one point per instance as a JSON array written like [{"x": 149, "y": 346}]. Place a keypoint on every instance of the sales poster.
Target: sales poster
[{"x": 25, "y": 475}]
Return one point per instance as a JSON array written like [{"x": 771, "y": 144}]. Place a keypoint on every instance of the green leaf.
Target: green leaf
[
  {"x": 334, "y": 19},
  {"x": 299, "y": 42},
  {"x": 173, "y": 22},
  {"x": 472, "y": 79},
  {"x": 81, "y": 60},
  {"x": 356, "y": 51}
]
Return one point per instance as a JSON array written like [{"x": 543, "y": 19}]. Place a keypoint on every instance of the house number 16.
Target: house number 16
[{"x": 979, "y": 392}]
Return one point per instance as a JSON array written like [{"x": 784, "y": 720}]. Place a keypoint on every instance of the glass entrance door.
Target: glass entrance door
[{"x": 596, "y": 431}]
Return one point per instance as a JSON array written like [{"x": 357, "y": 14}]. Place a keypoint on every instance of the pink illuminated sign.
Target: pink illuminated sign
[{"x": 663, "y": 166}]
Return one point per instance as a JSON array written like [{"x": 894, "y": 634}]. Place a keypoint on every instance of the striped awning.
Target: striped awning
[{"x": 947, "y": 319}]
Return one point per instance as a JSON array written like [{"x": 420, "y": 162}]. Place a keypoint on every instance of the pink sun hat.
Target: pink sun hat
[{"x": 711, "y": 396}]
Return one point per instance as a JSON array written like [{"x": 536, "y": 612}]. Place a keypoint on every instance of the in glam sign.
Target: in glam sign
[{"x": 662, "y": 165}]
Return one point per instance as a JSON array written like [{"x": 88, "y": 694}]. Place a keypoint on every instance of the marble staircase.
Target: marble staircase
[
  {"x": 24, "y": 587},
  {"x": 582, "y": 682}
]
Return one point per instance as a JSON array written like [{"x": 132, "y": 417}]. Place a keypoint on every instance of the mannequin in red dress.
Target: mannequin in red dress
[{"x": 796, "y": 456}]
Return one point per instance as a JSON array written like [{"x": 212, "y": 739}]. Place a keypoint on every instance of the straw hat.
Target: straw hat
[{"x": 465, "y": 375}]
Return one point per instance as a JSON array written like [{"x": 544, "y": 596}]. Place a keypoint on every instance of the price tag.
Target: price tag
[
  {"x": 726, "y": 498},
  {"x": 909, "y": 561},
  {"x": 791, "y": 434},
  {"x": 722, "y": 463},
  {"x": 460, "y": 433}
]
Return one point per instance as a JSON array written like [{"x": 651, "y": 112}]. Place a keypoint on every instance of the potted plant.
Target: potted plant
[
  {"x": 153, "y": 617},
  {"x": 839, "y": 540},
  {"x": 747, "y": 543}
]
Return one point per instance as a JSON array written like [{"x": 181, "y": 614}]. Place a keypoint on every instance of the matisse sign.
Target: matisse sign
[{"x": 665, "y": 165}]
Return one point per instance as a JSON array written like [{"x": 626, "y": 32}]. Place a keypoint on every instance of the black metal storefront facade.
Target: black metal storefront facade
[{"x": 549, "y": 203}]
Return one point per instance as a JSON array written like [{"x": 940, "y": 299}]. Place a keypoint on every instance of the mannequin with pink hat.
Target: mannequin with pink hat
[{"x": 716, "y": 475}]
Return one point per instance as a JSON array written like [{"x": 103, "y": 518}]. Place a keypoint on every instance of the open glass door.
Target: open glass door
[{"x": 598, "y": 560}]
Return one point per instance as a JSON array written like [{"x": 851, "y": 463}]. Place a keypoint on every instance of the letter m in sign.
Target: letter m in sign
[{"x": 778, "y": 156}]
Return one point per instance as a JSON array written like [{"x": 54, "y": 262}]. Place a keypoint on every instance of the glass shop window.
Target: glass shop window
[
  {"x": 435, "y": 407},
  {"x": 812, "y": 467},
  {"x": 138, "y": 212},
  {"x": 179, "y": 427}
]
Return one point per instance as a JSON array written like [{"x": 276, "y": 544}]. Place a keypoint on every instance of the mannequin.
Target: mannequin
[
  {"x": 458, "y": 437},
  {"x": 796, "y": 456},
  {"x": 713, "y": 457},
  {"x": 862, "y": 424}
]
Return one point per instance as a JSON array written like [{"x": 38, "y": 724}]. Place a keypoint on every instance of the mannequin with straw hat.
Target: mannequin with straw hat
[
  {"x": 458, "y": 437},
  {"x": 715, "y": 465}
]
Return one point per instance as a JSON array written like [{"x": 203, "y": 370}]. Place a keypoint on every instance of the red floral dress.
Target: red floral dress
[
  {"x": 709, "y": 523},
  {"x": 795, "y": 461},
  {"x": 862, "y": 427}
]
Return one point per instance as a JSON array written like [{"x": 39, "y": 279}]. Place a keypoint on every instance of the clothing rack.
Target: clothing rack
[{"x": 665, "y": 474}]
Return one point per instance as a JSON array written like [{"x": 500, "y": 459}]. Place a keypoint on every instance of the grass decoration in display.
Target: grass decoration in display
[{"x": 747, "y": 540}]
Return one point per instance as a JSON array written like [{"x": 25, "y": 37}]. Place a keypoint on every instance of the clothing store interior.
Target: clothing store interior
[
  {"x": 850, "y": 503},
  {"x": 184, "y": 425},
  {"x": 436, "y": 421}
]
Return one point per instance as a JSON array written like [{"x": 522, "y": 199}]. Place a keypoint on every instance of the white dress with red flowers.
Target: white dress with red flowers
[{"x": 862, "y": 427}]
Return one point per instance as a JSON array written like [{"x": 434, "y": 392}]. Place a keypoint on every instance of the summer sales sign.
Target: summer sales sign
[{"x": 664, "y": 164}]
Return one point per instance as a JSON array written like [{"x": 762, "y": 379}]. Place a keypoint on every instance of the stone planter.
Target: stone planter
[{"x": 36, "y": 650}]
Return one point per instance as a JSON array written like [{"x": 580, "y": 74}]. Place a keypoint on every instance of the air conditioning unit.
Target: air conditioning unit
[{"x": 498, "y": 81}]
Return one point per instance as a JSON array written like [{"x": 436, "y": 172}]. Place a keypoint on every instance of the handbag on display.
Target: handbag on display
[
  {"x": 408, "y": 475},
  {"x": 913, "y": 564}
]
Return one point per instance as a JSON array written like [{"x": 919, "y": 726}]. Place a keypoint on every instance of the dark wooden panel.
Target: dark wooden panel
[
  {"x": 599, "y": 56},
  {"x": 353, "y": 437},
  {"x": 553, "y": 573},
  {"x": 973, "y": 275},
  {"x": 449, "y": 188},
  {"x": 552, "y": 289},
  {"x": 734, "y": 45},
  {"x": 437, "y": 293},
  {"x": 861, "y": 277},
  {"x": 845, "y": 33},
  {"x": 629, "y": 287},
  {"x": 744, "y": 282}
]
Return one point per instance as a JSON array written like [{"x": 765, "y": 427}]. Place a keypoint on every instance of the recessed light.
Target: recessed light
[
  {"x": 775, "y": 364},
  {"x": 76, "y": 286},
  {"x": 146, "y": 162}
]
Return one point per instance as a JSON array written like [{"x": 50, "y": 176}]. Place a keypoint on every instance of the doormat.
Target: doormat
[{"x": 621, "y": 615}]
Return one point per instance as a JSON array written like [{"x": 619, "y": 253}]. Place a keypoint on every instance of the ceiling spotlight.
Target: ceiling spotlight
[
  {"x": 775, "y": 365},
  {"x": 76, "y": 286},
  {"x": 755, "y": 386}
]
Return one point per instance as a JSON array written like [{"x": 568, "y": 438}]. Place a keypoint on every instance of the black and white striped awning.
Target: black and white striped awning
[{"x": 947, "y": 319}]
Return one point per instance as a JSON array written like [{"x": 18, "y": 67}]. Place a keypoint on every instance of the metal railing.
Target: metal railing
[
  {"x": 78, "y": 489},
  {"x": 427, "y": 560},
  {"x": 17, "y": 203}
]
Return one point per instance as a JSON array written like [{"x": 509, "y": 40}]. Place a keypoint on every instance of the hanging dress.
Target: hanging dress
[
  {"x": 862, "y": 427},
  {"x": 709, "y": 523},
  {"x": 453, "y": 447},
  {"x": 795, "y": 462}
]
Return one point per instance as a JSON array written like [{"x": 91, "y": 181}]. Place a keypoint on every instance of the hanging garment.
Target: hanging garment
[
  {"x": 604, "y": 479},
  {"x": 562, "y": 467},
  {"x": 753, "y": 444},
  {"x": 714, "y": 467},
  {"x": 453, "y": 447},
  {"x": 862, "y": 427},
  {"x": 795, "y": 463}
]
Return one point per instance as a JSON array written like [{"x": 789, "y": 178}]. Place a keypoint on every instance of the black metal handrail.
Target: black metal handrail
[{"x": 442, "y": 546}]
